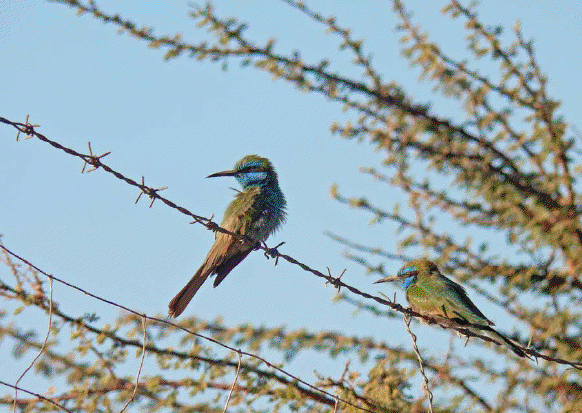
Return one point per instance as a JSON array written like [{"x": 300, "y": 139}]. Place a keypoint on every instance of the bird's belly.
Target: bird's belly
[{"x": 263, "y": 227}]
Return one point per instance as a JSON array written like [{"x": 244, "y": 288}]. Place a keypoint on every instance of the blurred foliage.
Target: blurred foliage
[{"x": 507, "y": 166}]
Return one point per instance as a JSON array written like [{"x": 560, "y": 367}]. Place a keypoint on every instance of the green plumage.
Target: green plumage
[
  {"x": 432, "y": 294},
  {"x": 256, "y": 212}
]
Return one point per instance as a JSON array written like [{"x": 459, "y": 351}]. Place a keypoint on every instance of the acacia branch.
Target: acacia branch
[{"x": 293, "y": 69}]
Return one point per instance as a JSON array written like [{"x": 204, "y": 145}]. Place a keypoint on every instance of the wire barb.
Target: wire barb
[
  {"x": 272, "y": 252},
  {"x": 152, "y": 193},
  {"x": 93, "y": 160},
  {"x": 336, "y": 282},
  {"x": 27, "y": 129}
]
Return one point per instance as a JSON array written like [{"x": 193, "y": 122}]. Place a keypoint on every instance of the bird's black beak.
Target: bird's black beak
[
  {"x": 230, "y": 172},
  {"x": 388, "y": 279}
]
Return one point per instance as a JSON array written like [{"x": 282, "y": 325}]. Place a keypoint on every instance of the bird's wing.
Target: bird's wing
[
  {"x": 227, "y": 266},
  {"x": 436, "y": 295},
  {"x": 461, "y": 305},
  {"x": 227, "y": 252},
  {"x": 425, "y": 300}
]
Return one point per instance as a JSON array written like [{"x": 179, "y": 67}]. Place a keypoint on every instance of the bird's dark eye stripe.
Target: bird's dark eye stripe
[
  {"x": 409, "y": 271},
  {"x": 252, "y": 168}
]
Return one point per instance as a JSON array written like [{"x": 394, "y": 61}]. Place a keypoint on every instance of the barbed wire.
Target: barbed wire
[{"x": 29, "y": 130}]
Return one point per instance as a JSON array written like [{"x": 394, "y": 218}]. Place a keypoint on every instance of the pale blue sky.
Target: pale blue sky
[{"x": 176, "y": 122}]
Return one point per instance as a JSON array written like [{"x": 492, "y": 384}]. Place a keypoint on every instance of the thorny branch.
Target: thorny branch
[
  {"x": 326, "y": 82},
  {"x": 120, "y": 384},
  {"x": 39, "y": 396},
  {"x": 151, "y": 348},
  {"x": 330, "y": 397},
  {"x": 209, "y": 224},
  {"x": 252, "y": 50},
  {"x": 72, "y": 395},
  {"x": 442, "y": 369}
]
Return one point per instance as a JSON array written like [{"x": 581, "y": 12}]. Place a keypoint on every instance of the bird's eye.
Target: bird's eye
[
  {"x": 408, "y": 271},
  {"x": 253, "y": 168}
]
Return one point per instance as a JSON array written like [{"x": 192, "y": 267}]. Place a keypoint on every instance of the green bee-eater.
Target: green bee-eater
[
  {"x": 256, "y": 212},
  {"x": 430, "y": 293}
]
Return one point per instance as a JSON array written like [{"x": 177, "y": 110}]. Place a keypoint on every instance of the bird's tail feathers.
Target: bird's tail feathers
[
  {"x": 496, "y": 335},
  {"x": 181, "y": 300}
]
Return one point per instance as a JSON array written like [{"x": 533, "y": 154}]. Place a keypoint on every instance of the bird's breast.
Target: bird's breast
[
  {"x": 267, "y": 222},
  {"x": 268, "y": 213}
]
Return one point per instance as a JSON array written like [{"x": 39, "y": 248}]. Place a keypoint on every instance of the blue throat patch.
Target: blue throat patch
[
  {"x": 251, "y": 179},
  {"x": 409, "y": 281}
]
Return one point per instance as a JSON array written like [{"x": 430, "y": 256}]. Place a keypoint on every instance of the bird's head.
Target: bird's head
[
  {"x": 410, "y": 272},
  {"x": 251, "y": 170}
]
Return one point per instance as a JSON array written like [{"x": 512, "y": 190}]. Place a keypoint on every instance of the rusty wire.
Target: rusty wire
[{"x": 96, "y": 163}]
